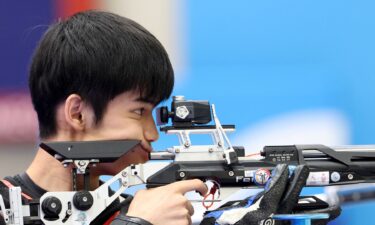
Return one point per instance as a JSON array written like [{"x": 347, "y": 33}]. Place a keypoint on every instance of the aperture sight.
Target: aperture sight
[{"x": 185, "y": 113}]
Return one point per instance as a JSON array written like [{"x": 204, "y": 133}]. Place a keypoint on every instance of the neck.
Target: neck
[{"x": 49, "y": 174}]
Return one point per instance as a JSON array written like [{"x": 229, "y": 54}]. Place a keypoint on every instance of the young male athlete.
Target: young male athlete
[{"x": 98, "y": 76}]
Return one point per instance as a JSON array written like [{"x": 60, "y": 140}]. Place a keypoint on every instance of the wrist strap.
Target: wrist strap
[{"x": 129, "y": 220}]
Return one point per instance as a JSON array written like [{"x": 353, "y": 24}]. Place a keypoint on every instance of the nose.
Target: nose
[{"x": 150, "y": 132}]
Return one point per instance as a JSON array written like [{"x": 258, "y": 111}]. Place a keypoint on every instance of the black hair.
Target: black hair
[{"x": 97, "y": 55}]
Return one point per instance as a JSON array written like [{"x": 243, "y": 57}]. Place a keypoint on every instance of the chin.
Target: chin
[{"x": 136, "y": 156}]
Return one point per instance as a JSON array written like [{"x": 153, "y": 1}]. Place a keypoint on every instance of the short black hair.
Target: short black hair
[{"x": 97, "y": 55}]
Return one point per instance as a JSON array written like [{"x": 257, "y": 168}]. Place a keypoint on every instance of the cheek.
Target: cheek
[
  {"x": 122, "y": 131},
  {"x": 134, "y": 132}
]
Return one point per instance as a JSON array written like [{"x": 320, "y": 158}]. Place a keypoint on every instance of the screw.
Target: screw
[
  {"x": 81, "y": 163},
  {"x": 177, "y": 150},
  {"x": 84, "y": 199},
  {"x": 53, "y": 205},
  {"x": 350, "y": 176},
  {"x": 182, "y": 112},
  {"x": 187, "y": 145},
  {"x": 335, "y": 176},
  {"x": 219, "y": 143},
  {"x": 231, "y": 173},
  {"x": 124, "y": 174},
  {"x": 210, "y": 150},
  {"x": 124, "y": 183},
  {"x": 182, "y": 174}
]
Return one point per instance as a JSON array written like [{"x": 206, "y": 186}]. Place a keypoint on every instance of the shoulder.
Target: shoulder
[
  {"x": 4, "y": 192},
  {"x": 5, "y": 184},
  {"x": 9, "y": 182}
]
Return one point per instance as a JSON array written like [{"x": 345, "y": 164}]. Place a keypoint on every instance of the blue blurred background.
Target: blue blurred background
[{"x": 285, "y": 72}]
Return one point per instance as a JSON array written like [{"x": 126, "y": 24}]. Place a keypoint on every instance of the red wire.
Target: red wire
[
  {"x": 212, "y": 192},
  {"x": 254, "y": 154},
  {"x": 204, "y": 201}
]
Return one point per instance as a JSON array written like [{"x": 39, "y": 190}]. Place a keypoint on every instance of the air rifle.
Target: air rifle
[
  {"x": 220, "y": 162},
  {"x": 228, "y": 165}
]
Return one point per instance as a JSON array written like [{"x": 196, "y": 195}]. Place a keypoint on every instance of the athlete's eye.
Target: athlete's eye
[{"x": 139, "y": 111}]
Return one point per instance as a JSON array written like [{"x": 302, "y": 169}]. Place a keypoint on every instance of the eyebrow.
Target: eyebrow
[{"x": 144, "y": 100}]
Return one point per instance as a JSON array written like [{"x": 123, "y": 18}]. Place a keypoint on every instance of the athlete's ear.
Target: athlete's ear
[{"x": 77, "y": 112}]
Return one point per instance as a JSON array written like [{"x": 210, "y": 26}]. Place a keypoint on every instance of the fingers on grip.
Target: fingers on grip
[{"x": 294, "y": 187}]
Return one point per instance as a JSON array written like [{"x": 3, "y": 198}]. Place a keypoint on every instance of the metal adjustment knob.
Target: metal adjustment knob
[
  {"x": 83, "y": 200},
  {"x": 163, "y": 114},
  {"x": 51, "y": 207}
]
